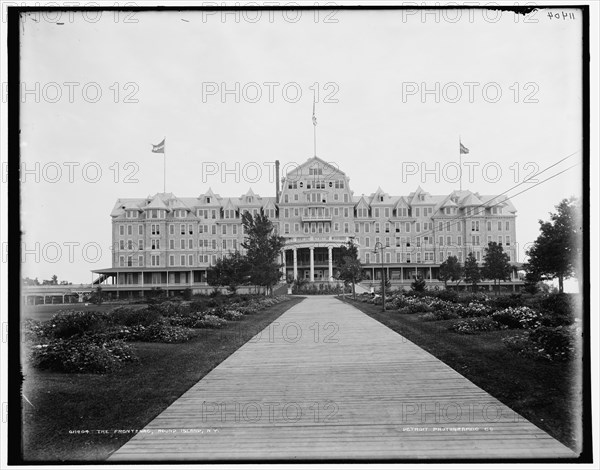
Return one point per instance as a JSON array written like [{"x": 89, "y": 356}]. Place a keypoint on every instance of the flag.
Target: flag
[
  {"x": 314, "y": 118},
  {"x": 160, "y": 148},
  {"x": 463, "y": 149}
]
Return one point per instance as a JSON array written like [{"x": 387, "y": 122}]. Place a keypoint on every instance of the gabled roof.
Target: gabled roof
[
  {"x": 157, "y": 201},
  {"x": 330, "y": 169}
]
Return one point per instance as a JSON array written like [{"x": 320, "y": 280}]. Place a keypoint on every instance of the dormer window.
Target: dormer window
[
  {"x": 380, "y": 198},
  {"x": 249, "y": 199},
  {"x": 208, "y": 199}
]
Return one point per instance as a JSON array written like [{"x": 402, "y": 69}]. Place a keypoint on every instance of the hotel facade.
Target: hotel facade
[{"x": 169, "y": 242}]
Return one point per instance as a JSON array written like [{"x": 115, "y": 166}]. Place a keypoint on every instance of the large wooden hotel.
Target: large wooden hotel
[{"x": 169, "y": 242}]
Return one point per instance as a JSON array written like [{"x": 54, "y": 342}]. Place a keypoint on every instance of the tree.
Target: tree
[
  {"x": 31, "y": 282},
  {"x": 556, "y": 253},
  {"x": 419, "y": 284},
  {"x": 349, "y": 267},
  {"x": 230, "y": 271},
  {"x": 496, "y": 264},
  {"x": 450, "y": 270},
  {"x": 263, "y": 247},
  {"x": 472, "y": 271}
]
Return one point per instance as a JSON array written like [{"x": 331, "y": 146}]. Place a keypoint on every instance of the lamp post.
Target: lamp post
[{"x": 380, "y": 246}]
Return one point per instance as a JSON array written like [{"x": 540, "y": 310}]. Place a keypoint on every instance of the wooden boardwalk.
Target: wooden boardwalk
[{"x": 325, "y": 381}]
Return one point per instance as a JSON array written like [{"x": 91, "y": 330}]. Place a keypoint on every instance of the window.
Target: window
[
  {"x": 346, "y": 212},
  {"x": 214, "y": 244},
  {"x": 441, "y": 226},
  {"x": 140, "y": 229},
  {"x": 190, "y": 229},
  {"x": 417, "y": 212},
  {"x": 407, "y": 227},
  {"x": 459, "y": 240},
  {"x": 140, "y": 261},
  {"x": 224, "y": 229},
  {"x": 182, "y": 260},
  {"x": 386, "y": 212},
  {"x": 121, "y": 244},
  {"x": 155, "y": 244},
  {"x": 499, "y": 225},
  {"x": 448, "y": 240},
  {"x": 367, "y": 242},
  {"x": 376, "y": 227},
  {"x": 376, "y": 212},
  {"x": 182, "y": 244},
  {"x": 129, "y": 244},
  {"x": 475, "y": 225},
  {"x": 345, "y": 198},
  {"x": 499, "y": 239},
  {"x": 171, "y": 229},
  {"x": 367, "y": 258},
  {"x": 507, "y": 225},
  {"x": 121, "y": 230},
  {"x": 213, "y": 230},
  {"x": 171, "y": 244},
  {"x": 507, "y": 240},
  {"x": 387, "y": 227},
  {"x": 489, "y": 225},
  {"x": 346, "y": 228},
  {"x": 418, "y": 227},
  {"x": 140, "y": 244},
  {"x": 171, "y": 260},
  {"x": 441, "y": 241},
  {"x": 286, "y": 228},
  {"x": 154, "y": 260},
  {"x": 367, "y": 227},
  {"x": 397, "y": 227}
]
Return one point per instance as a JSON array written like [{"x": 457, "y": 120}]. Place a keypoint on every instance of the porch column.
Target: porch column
[
  {"x": 330, "y": 249},
  {"x": 430, "y": 278},
  {"x": 295, "y": 263},
  {"x": 312, "y": 264},
  {"x": 284, "y": 266}
]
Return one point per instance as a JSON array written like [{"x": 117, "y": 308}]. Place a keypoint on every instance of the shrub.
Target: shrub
[
  {"x": 474, "y": 297},
  {"x": 473, "y": 309},
  {"x": 520, "y": 317},
  {"x": 91, "y": 354},
  {"x": 212, "y": 321},
  {"x": 128, "y": 316},
  {"x": 67, "y": 323},
  {"x": 555, "y": 344},
  {"x": 187, "y": 319},
  {"x": 232, "y": 315},
  {"x": 447, "y": 295},
  {"x": 155, "y": 333},
  {"x": 438, "y": 315},
  {"x": 473, "y": 325},
  {"x": 418, "y": 285},
  {"x": 507, "y": 301},
  {"x": 557, "y": 309},
  {"x": 165, "y": 309}
]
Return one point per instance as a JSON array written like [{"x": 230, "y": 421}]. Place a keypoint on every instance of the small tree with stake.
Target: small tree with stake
[
  {"x": 496, "y": 264},
  {"x": 349, "y": 267},
  {"x": 451, "y": 270},
  {"x": 472, "y": 271},
  {"x": 263, "y": 247}
]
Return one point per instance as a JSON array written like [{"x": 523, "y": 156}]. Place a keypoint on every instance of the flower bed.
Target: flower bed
[
  {"x": 518, "y": 317},
  {"x": 476, "y": 324}
]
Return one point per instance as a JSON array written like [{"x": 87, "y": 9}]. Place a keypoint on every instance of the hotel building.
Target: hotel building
[{"x": 169, "y": 242}]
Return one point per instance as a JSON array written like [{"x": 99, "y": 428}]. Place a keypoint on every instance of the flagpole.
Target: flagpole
[
  {"x": 165, "y": 165},
  {"x": 314, "y": 123},
  {"x": 460, "y": 163}
]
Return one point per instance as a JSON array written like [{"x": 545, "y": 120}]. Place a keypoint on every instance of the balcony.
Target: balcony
[{"x": 316, "y": 218}]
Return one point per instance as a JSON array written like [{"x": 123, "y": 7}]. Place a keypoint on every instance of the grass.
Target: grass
[
  {"x": 545, "y": 393},
  {"x": 110, "y": 407}
]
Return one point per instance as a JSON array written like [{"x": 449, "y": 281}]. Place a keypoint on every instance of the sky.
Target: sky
[{"x": 396, "y": 92}]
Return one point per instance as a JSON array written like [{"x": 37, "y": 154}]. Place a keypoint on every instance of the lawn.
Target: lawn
[
  {"x": 82, "y": 417},
  {"x": 545, "y": 393}
]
